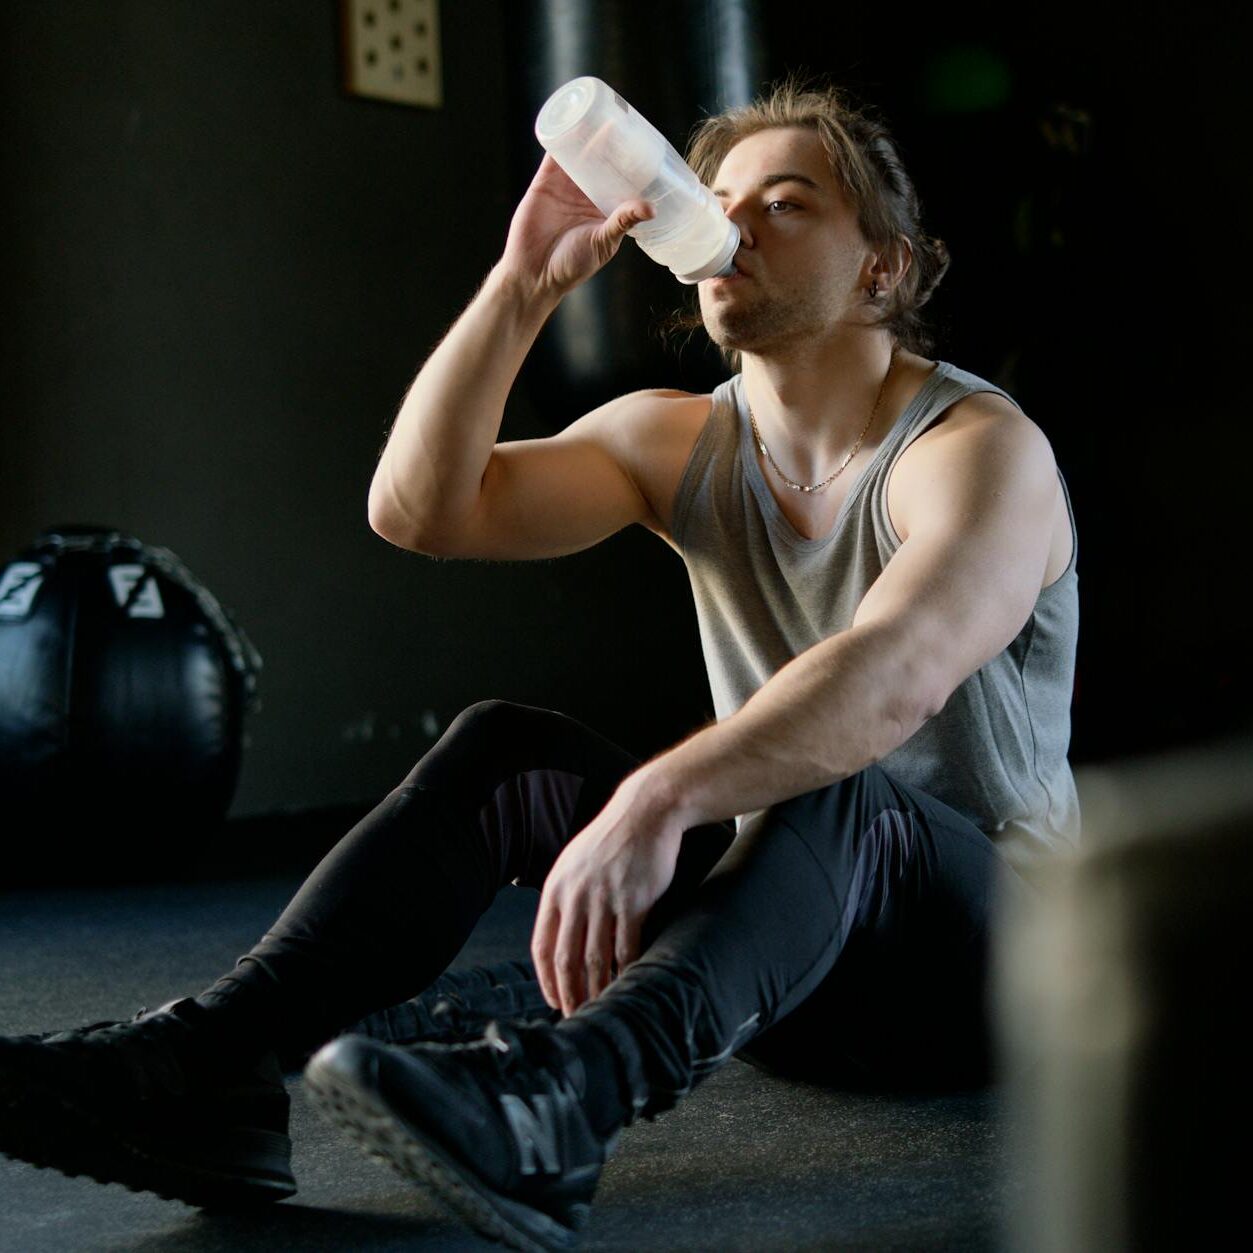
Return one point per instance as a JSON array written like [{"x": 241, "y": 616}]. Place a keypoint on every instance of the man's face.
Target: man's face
[{"x": 801, "y": 250}]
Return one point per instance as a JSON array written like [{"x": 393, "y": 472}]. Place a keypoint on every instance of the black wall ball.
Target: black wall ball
[{"x": 123, "y": 689}]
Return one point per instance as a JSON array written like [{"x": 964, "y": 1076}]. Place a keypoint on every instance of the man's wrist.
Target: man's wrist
[
  {"x": 522, "y": 290},
  {"x": 657, "y": 789}
]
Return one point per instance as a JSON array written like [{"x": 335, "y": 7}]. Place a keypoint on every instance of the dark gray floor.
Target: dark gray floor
[{"x": 747, "y": 1162}]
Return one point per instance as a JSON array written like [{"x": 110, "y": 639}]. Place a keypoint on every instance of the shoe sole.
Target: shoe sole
[
  {"x": 39, "y": 1127},
  {"x": 387, "y": 1138}
]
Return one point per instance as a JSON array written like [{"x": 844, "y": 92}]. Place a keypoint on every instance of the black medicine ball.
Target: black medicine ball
[{"x": 123, "y": 689}]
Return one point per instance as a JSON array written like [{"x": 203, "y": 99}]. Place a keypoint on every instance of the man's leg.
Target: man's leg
[
  {"x": 508, "y": 1131},
  {"x": 390, "y": 906},
  {"x": 868, "y": 892},
  {"x": 380, "y": 917}
]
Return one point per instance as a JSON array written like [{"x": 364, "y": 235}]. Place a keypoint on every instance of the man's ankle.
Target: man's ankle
[{"x": 614, "y": 1073}]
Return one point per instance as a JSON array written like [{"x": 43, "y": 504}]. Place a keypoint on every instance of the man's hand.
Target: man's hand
[
  {"x": 558, "y": 238},
  {"x": 599, "y": 892}
]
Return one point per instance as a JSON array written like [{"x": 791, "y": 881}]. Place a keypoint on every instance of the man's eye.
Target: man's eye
[{"x": 787, "y": 203}]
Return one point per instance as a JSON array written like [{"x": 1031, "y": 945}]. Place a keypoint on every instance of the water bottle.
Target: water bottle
[{"x": 613, "y": 154}]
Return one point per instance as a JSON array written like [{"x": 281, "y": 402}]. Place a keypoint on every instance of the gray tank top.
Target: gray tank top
[{"x": 996, "y": 752}]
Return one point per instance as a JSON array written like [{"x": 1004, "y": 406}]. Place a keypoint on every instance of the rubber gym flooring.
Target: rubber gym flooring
[{"x": 747, "y": 1162}]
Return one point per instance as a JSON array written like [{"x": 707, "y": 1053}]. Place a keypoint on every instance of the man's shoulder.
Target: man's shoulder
[
  {"x": 652, "y": 401},
  {"x": 984, "y": 440},
  {"x": 653, "y": 439},
  {"x": 655, "y": 413},
  {"x": 665, "y": 393},
  {"x": 977, "y": 422}
]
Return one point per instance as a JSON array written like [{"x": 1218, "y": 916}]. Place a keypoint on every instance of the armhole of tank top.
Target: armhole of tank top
[
  {"x": 881, "y": 488},
  {"x": 921, "y": 428},
  {"x": 697, "y": 460},
  {"x": 1074, "y": 532}
]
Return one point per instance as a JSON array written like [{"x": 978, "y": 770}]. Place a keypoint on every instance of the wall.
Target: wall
[{"x": 219, "y": 274}]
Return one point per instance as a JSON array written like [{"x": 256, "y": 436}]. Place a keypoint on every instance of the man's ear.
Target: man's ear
[
  {"x": 904, "y": 258},
  {"x": 891, "y": 265}
]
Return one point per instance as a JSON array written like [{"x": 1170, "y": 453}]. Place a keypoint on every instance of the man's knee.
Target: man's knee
[
  {"x": 481, "y": 735},
  {"x": 483, "y": 719},
  {"x": 492, "y": 725}
]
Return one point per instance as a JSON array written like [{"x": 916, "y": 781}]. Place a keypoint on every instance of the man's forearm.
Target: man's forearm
[
  {"x": 833, "y": 710},
  {"x": 431, "y": 471}
]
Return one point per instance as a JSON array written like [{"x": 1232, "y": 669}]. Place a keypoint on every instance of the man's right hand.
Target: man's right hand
[{"x": 558, "y": 238}]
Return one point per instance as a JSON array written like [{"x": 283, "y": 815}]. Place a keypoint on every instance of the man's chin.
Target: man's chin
[
  {"x": 731, "y": 337},
  {"x": 739, "y": 340}
]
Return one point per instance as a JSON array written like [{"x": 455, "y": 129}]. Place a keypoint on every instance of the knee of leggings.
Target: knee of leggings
[
  {"x": 487, "y": 722},
  {"x": 481, "y": 733}
]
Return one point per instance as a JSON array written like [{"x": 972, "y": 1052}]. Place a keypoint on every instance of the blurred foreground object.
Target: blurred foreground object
[
  {"x": 1122, "y": 1005},
  {"x": 123, "y": 686}
]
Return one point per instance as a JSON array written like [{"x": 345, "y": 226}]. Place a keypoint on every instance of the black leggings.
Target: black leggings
[{"x": 842, "y": 934}]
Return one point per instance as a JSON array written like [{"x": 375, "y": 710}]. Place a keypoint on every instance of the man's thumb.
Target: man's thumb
[{"x": 632, "y": 213}]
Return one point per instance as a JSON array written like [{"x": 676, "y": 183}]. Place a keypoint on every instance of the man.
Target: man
[{"x": 883, "y": 559}]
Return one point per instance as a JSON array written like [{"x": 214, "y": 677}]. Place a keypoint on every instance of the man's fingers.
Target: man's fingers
[
  {"x": 627, "y": 941},
  {"x": 543, "y": 949},
  {"x": 598, "y": 951},
  {"x": 568, "y": 961},
  {"x": 627, "y": 215}
]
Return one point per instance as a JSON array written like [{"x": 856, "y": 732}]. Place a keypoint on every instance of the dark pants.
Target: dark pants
[{"x": 841, "y": 935}]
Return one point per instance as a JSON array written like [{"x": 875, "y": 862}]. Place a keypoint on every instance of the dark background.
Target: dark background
[{"x": 220, "y": 273}]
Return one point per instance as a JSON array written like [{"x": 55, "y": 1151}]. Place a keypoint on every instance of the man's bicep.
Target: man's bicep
[{"x": 963, "y": 583}]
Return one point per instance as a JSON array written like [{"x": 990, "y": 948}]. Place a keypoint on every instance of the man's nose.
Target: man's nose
[{"x": 739, "y": 216}]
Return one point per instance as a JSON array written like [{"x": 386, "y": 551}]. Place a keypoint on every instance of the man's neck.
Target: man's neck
[{"x": 812, "y": 402}]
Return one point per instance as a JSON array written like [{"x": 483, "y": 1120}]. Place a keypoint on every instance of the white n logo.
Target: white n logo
[{"x": 534, "y": 1130}]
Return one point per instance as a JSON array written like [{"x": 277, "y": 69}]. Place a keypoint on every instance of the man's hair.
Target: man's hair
[{"x": 864, "y": 160}]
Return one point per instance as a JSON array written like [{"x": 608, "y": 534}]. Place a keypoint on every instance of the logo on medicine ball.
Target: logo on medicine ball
[
  {"x": 19, "y": 585},
  {"x": 136, "y": 591}
]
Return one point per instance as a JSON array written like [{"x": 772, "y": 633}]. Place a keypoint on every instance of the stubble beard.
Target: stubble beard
[{"x": 763, "y": 322}]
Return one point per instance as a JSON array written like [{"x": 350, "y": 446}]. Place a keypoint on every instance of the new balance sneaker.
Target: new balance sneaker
[
  {"x": 115, "y": 1101},
  {"x": 495, "y": 1127},
  {"x": 460, "y": 1003}
]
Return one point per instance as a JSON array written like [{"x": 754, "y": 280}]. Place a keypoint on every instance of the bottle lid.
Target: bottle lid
[
  {"x": 566, "y": 108},
  {"x": 720, "y": 264}
]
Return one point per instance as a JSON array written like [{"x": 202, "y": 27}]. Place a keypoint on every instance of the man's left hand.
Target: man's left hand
[{"x": 599, "y": 891}]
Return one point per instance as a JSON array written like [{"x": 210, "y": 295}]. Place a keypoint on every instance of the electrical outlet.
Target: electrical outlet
[{"x": 391, "y": 50}]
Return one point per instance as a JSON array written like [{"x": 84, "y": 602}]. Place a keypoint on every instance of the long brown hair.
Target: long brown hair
[{"x": 867, "y": 166}]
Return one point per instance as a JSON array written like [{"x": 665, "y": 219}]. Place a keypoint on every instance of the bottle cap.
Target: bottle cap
[
  {"x": 565, "y": 108},
  {"x": 720, "y": 264}
]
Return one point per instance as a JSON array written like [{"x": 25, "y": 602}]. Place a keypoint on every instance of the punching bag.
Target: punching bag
[{"x": 123, "y": 689}]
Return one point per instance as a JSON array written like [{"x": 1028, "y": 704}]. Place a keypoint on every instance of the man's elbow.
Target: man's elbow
[
  {"x": 912, "y": 687},
  {"x": 384, "y": 529},
  {"x": 920, "y": 699},
  {"x": 908, "y": 721},
  {"x": 933, "y": 699},
  {"x": 391, "y": 524}
]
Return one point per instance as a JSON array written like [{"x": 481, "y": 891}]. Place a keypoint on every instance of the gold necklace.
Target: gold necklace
[{"x": 817, "y": 487}]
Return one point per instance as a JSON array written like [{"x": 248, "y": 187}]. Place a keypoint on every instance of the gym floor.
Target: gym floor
[{"x": 747, "y": 1162}]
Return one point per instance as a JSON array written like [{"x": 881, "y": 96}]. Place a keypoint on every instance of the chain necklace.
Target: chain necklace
[{"x": 817, "y": 487}]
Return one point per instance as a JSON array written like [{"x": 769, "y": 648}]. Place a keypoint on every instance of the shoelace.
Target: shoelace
[
  {"x": 504, "y": 1045},
  {"x": 148, "y": 1057},
  {"x": 75, "y": 1033},
  {"x": 514, "y": 1049}
]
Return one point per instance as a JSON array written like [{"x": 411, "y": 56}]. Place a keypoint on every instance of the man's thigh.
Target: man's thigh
[{"x": 906, "y": 1003}]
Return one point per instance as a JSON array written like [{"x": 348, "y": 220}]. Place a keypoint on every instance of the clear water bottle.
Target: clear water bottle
[{"x": 613, "y": 154}]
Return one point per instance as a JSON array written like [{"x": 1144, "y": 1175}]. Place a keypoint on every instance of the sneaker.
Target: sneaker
[
  {"x": 458, "y": 1006},
  {"x": 496, "y": 1127},
  {"x": 114, "y": 1101}
]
